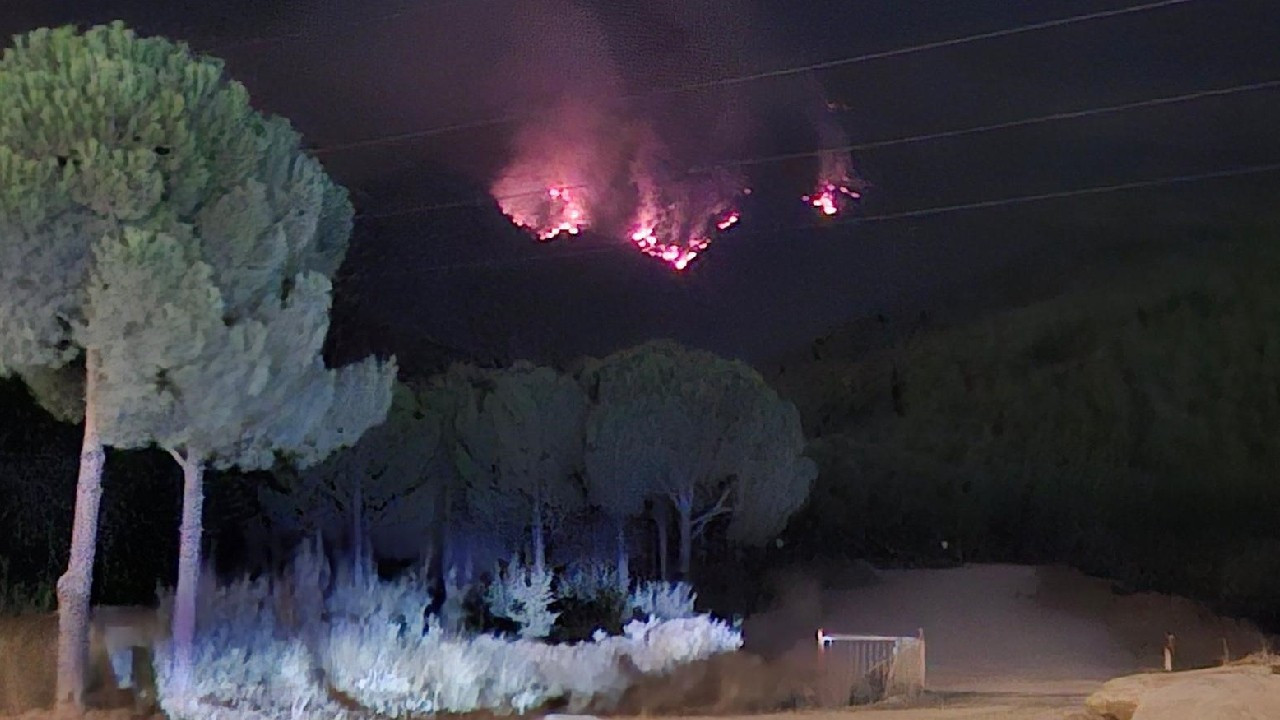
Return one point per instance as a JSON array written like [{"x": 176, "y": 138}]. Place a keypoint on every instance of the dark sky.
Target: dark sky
[{"x": 352, "y": 73}]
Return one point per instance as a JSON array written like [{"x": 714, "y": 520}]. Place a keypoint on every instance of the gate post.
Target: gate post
[{"x": 923, "y": 665}]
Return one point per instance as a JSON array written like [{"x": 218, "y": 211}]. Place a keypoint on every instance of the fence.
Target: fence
[{"x": 857, "y": 669}]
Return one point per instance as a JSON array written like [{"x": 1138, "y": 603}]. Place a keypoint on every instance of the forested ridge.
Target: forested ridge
[{"x": 1131, "y": 429}]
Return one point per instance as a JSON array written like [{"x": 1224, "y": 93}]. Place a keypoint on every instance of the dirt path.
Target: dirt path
[
  {"x": 982, "y": 706},
  {"x": 1005, "y": 642}
]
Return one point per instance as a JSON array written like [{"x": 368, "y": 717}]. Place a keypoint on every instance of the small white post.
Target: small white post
[{"x": 923, "y": 658}]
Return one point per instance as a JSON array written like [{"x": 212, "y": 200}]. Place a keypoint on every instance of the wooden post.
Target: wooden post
[
  {"x": 1226, "y": 653},
  {"x": 1168, "y": 651},
  {"x": 823, "y": 681},
  {"x": 923, "y": 658}
]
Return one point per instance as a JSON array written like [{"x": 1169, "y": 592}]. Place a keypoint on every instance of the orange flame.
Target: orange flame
[
  {"x": 837, "y": 186},
  {"x": 829, "y": 197},
  {"x": 566, "y": 215}
]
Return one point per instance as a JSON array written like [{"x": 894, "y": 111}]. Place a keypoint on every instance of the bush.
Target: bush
[
  {"x": 592, "y": 596},
  {"x": 662, "y": 599},
  {"x": 590, "y": 580},
  {"x": 376, "y": 650},
  {"x": 20, "y": 598},
  {"x": 398, "y": 675},
  {"x": 581, "y": 619},
  {"x": 242, "y": 658},
  {"x": 523, "y": 595}
]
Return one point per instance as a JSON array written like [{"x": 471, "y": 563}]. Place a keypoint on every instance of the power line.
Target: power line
[
  {"x": 877, "y": 144},
  {"x": 753, "y": 77},
  {"x": 912, "y": 49},
  {"x": 1080, "y": 192},
  {"x": 885, "y": 217},
  {"x": 347, "y": 25},
  {"x": 297, "y": 34},
  {"x": 457, "y": 204},
  {"x": 1008, "y": 125}
]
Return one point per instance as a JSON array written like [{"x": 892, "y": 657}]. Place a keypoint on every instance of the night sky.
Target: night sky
[{"x": 348, "y": 70}]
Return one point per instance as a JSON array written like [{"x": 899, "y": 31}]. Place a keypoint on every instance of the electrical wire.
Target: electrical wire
[
  {"x": 508, "y": 118},
  {"x": 854, "y": 220},
  {"x": 878, "y": 144},
  {"x": 1008, "y": 125},
  {"x": 912, "y": 49},
  {"x": 298, "y": 35}
]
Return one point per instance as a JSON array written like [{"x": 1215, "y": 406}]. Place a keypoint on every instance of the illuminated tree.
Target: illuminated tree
[
  {"x": 707, "y": 434},
  {"x": 777, "y": 477},
  {"x": 174, "y": 246},
  {"x": 176, "y": 371},
  {"x": 394, "y": 477},
  {"x": 618, "y": 464},
  {"x": 519, "y": 448}
]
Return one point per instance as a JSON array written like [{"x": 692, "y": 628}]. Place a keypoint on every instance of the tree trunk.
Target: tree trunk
[
  {"x": 184, "y": 606},
  {"x": 624, "y": 570},
  {"x": 437, "y": 561},
  {"x": 685, "y": 507},
  {"x": 76, "y": 584},
  {"x": 663, "y": 521},
  {"x": 539, "y": 542},
  {"x": 357, "y": 535}
]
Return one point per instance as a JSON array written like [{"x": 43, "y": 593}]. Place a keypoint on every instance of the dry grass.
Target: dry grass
[{"x": 28, "y": 671}]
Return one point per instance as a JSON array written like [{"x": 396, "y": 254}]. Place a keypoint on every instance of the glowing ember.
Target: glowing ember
[
  {"x": 565, "y": 215},
  {"x": 581, "y": 167},
  {"x": 549, "y": 185},
  {"x": 829, "y": 197},
  {"x": 548, "y": 213},
  {"x": 729, "y": 221},
  {"x": 675, "y": 221},
  {"x": 837, "y": 185}
]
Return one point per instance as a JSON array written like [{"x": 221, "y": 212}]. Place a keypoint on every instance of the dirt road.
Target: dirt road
[{"x": 1005, "y": 642}]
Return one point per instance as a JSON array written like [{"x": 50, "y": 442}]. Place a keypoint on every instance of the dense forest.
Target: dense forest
[{"x": 1128, "y": 428}]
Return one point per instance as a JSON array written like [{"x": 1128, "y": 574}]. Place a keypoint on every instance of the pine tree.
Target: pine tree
[
  {"x": 172, "y": 247},
  {"x": 177, "y": 373},
  {"x": 701, "y": 433},
  {"x": 520, "y": 448},
  {"x": 396, "y": 476}
]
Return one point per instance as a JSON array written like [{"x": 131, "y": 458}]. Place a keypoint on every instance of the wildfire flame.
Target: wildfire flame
[
  {"x": 676, "y": 220},
  {"x": 829, "y": 197},
  {"x": 565, "y": 215},
  {"x": 837, "y": 186},
  {"x": 580, "y": 168},
  {"x": 547, "y": 212}
]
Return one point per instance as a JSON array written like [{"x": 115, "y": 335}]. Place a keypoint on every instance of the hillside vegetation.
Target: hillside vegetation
[{"x": 1132, "y": 429}]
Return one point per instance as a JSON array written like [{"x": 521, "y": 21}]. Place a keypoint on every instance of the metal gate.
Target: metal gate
[{"x": 858, "y": 669}]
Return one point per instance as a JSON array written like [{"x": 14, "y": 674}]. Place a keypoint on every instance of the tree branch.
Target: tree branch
[{"x": 721, "y": 507}]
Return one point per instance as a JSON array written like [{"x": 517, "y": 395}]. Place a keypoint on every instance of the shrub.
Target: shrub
[
  {"x": 454, "y": 610},
  {"x": 400, "y": 603},
  {"x": 591, "y": 596},
  {"x": 372, "y": 645},
  {"x": 523, "y": 595},
  {"x": 19, "y": 598},
  {"x": 399, "y": 675},
  {"x": 242, "y": 661},
  {"x": 663, "y": 600},
  {"x": 590, "y": 580}
]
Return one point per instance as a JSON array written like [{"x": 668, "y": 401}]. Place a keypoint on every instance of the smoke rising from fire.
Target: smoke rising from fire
[
  {"x": 583, "y": 168},
  {"x": 620, "y": 170}
]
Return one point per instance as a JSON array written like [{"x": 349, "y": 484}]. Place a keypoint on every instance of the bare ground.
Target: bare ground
[{"x": 1004, "y": 643}]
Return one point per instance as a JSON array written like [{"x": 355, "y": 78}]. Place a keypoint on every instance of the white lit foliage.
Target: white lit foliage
[{"x": 253, "y": 659}]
